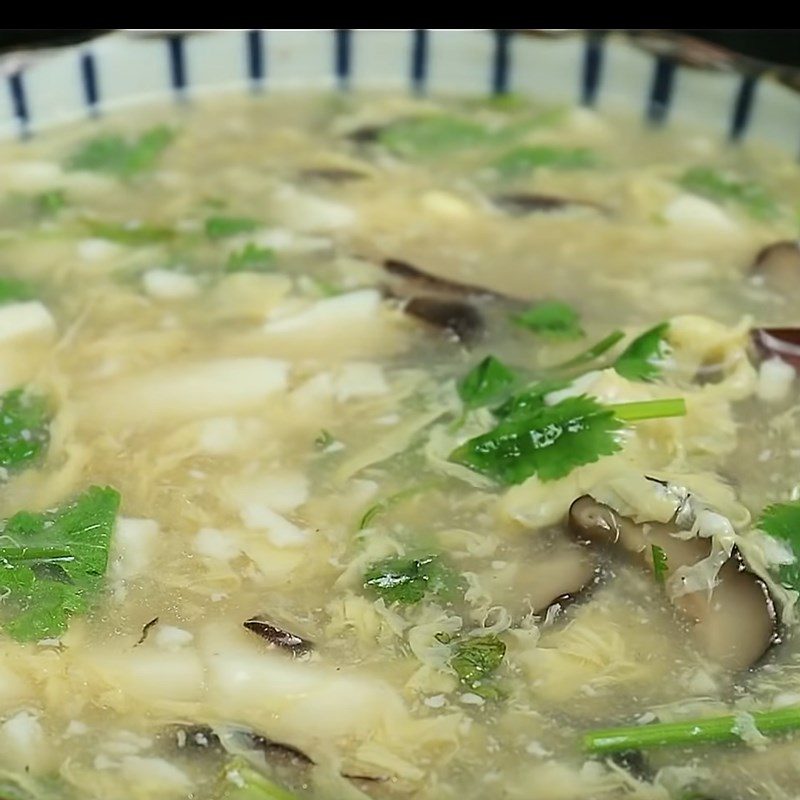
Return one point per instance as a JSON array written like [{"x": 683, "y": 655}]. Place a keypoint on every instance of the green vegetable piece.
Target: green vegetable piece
[
  {"x": 707, "y": 730},
  {"x": 241, "y": 782},
  {"x": 222, "y": 227},
  {"x": 41, "y": 597},
  {"x": 551, "y": 319},
  {"x": 432, "y": 135},
  {"x": 120, "y": 156},
  {"x": 660, "y": 563},
  {"x": 474, "y": 660},
  {"x": 551, "y": 441},
  {"x": 408, "y": 580},
  {"x": 251, "y": 258},
  {"x": 130, "y": 235},
  {"x": 48, "y": 204},
  {"x": 14, "y": 290},
  {"x": 486, "y": 382},
  {"x": 643, "y": 358},
  {"x": 24, "y": 428},
  {"x": 387, "y": 503},
  {"x": 714, "y": 184},
  {"x": 522, "y": 160},
  {"x": 530, "y": 399},
  {"x": 782, "y": 521},
  {"x": 324, "y": 439},
  {"x": 590, "y": 354}
]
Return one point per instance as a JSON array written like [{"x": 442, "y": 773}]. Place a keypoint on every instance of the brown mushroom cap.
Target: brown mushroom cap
[
  {"x": 779, "y": 265},
  {"x": 523, "y": 203},
  {"x": 455, "y": 317},
  {"x": 560, "y": 577},
  {"x": 781, "y": 342},
  {"x": 735, "y": 624}
]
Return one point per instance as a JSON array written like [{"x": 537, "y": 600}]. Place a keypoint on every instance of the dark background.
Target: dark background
[{"x": 780, "y": 45}]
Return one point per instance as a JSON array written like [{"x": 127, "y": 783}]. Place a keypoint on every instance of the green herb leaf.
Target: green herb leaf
[
  {"x": 782, "y": 521},
  {"x": 222, "y": 227},
  {"x": 324, "y": 439},
  {"x": 251, "y": 258},
  {"x": 432, "y": 135},
  {"x": 138, "y": 235},
  {"x": 14, "y": 290},
  {"x": 705, "y": 730},
  {"x": 120, "y": 156},
  {"x": 530, "y": 399},
  {"x": 40, "y": 598},
  {"x": 486, "y": 382},
  {"x": 474, "y": 660},
  {"x": 24, "y": 428},
  {"x": 552, "y": 319},
  {"x": 643, "y": 358},
  {"x": 48, "y": 204},
  {"x": 408, "y": 580},
  {"x": 717, "y": 185},
  {"x": 660, "y": 563},
  {"x": 523, "y": 160},
  {"x": 241, "y": 782},
  {"x": 387, "y": 503},
  {"x": 551, "y": 441}
]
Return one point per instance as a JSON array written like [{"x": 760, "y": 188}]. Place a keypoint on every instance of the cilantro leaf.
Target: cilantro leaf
[
  {"x": 41, "y": 597},
  {"x": 48, "y": 204},
  {"x": 717, "y": 185},
  {"x": 251, "y": 258},
  {"x": 120, "y": 156},
  {"x": 408, "y": 580},
  {"x": 660, "y": 563},
  {"x": 530, "y": 399},
  {"x": 24, "y": 428},
  {"x": 485, "y": 382},
  {"x": 138, "y": 235},
  {"x": 13, "y": 290},
  {"x": 523, "y": 160},
  {"x": 432, "y": 135},
  {"x": 474, "y": 660},
  {"x": 550, "y": 441},
  {"x": 642, "y": 359},
  {"x": 552, "y": 319},
  {"x": 782, "y": 521},
  {"x": 221, "y": 227}
]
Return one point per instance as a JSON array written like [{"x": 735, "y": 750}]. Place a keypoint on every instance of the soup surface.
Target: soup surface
[{"x": 377, "y": 447}]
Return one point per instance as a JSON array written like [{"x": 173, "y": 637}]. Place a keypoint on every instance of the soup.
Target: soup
[{"x": 378, "y": 447}]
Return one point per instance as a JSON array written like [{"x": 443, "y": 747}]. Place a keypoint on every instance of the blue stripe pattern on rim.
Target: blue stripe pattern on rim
[
  {"x": 19, "y": 102},
  {"x": 177, "y": 64},
  {"x": 742, "y": 107},
  {"x": 661, "y": 90},
  {"x": 254, "y": 44},
  {"x": 341, "y": 57},
  {"x": 592, "y": 73},
  {"x": 419, "y": 61},
  {"x": 501, "y": 62},
  {"x": 91, "y": 92}
]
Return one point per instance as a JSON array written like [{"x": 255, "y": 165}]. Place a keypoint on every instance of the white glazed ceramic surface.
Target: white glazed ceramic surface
[{"x": 608, "y": 72}]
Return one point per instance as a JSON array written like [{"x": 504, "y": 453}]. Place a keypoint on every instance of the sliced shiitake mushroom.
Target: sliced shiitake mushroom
[
  {"x": 524, "y": 203},
  {"x": 408, "y": 272},
  {"x": 457, "y": 318},
  {"x": 735, "y": 624},
  {"x": 781, "y": 342},
  {"x": 560, "y": 577},
  {"x": 332, "y": 174},
  {"x": 277, "y": 636},
  {"x": 779, "y": 266},
  {"x": 366, "y": 134}
]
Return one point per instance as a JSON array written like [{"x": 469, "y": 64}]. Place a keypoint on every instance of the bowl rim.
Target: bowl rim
[{"x": 681, "y": 48}]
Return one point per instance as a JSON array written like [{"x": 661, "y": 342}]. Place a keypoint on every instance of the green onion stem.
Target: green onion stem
[
  {"x": 590, "y": 354},
  {"x": 713, "y": 730},
  {"x": 649, "y": 409}
]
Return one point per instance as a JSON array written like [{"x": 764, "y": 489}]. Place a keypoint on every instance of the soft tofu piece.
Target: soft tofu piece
[
  {"x": 26, "y": 321},
  {"x": 132, "y": 546},
  {"x": 217, "y": 544},
  {"x": 186, "y": 391},
  {"x": 280, "y": 531},
  {"x": 305, "y": 212},
  {"x": 341, "y": 310},
  {"x": 690, "y": 211},
  {"x": 775, "y": 378},
  {"x": 166, "y": 284},
  {"x": 360, "y": 379},
  {"x": 282, "y": 491}
]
